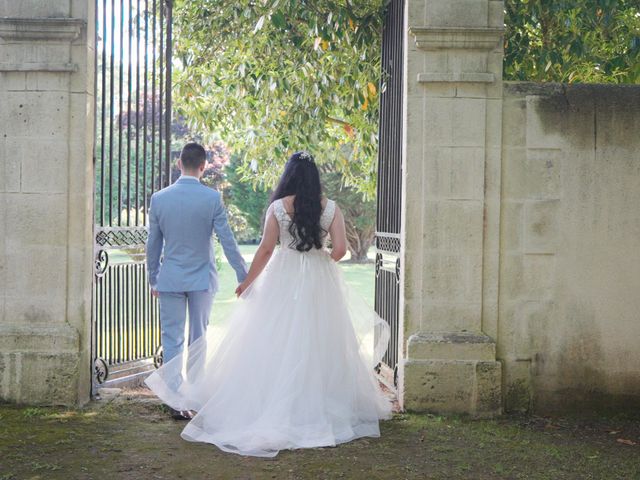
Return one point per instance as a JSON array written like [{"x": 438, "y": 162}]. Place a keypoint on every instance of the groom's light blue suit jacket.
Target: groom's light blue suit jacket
[{"x": 182, "y": 219}]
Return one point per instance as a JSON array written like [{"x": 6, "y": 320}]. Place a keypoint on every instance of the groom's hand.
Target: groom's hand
[
  {"x": 155, "y": 293},
  {"x": 239, "y": 290}
]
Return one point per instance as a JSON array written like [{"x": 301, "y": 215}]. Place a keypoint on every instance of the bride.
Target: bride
[{"x": 295, "y": 366}]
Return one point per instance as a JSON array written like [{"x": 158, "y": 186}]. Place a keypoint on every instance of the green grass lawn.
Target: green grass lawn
[
  {"x": 137, "y": 440},
  {"x": 359, "y": 276}
]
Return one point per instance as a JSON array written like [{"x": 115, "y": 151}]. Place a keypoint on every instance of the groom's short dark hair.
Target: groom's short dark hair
[{"x": 193, "y": 156}]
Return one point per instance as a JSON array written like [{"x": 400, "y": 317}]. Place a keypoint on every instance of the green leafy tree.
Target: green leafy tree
[
  {"x": 359, "y": 214},
  {"x": 275, "y": 76},
  {"x": 249, "y": 199},
  {"x": 572, "y": 41}
]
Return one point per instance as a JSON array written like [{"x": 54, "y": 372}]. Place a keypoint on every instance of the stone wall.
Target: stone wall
[
  {"x": 46, "y": 185},
  {"x": 569, "y": 322}
]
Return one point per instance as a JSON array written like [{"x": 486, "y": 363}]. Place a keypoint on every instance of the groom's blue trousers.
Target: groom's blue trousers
[{"x": 173, "y": 311}]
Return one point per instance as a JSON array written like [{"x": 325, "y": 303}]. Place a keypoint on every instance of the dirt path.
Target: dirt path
[{"x": 135, "y": 439}]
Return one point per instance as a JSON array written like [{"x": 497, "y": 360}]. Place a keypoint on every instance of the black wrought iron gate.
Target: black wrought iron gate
[
  {"x": 387, "y": 292},
  {"x": 132, "y": 160}
]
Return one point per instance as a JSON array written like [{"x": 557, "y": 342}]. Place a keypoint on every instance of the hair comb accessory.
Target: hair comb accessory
[{"x": 304, "y": 155}]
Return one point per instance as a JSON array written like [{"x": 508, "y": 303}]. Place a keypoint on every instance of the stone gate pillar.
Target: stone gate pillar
[
  {"x": 46, "y": 199},
  {"x": 453, "y": 105}
]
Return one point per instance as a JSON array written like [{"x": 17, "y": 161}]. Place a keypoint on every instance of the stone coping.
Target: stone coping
[
  {"x": 441, "y": 38},
  {"x": 19, "y": 29}
]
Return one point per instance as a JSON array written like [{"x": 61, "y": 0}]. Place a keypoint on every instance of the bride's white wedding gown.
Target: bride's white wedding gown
[{"x": 294, "y": 367}]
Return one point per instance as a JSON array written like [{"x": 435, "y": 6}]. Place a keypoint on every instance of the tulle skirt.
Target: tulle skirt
[{"x": 291, "y": 367}]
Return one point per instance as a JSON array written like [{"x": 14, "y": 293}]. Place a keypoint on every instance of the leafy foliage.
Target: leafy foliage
[
  {"x": 251, "y": 200},
  {"x": 359, "y": 214},
  {"x": 572, "y": 41},
  {"x": 275, "y": 76}
]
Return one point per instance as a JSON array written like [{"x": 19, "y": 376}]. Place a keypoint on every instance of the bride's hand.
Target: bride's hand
[{"x": 241, "y": 288}]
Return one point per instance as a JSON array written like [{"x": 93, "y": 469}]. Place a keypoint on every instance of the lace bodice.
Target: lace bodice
[{"x": 284, "y": 220}]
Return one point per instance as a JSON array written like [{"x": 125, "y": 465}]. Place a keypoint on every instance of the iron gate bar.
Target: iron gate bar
[
  {"x": 129, "y": 82},
  {"x": 153, "y": 101},
  {"x": 111, "y": 95},
  {"x": 146, "y": 97},
  {"x": 160, "y": 93},
  {"x": 168, "y": 102},
  {"x": 137, "y": 143},
  {"x": 104, "y": 105},
  {"x": 120, "y": 85}
]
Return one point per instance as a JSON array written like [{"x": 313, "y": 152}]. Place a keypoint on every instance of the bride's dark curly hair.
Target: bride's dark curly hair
[{"x": 302, "y": 179}]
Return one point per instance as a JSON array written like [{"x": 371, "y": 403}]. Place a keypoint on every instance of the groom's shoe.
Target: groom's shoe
[{"x": 180, "y": 414}]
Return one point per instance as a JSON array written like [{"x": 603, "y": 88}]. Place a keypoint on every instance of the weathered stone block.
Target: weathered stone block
[
  {"x": 468, "y": 61},
  {"x": 433, "y": 61},
  {"x": 416, "y": 13},
  {"x": 53, "y": 52},
  {"x": 471, "y": 89},
  {"x": 518, "y": 393},
  {"x": 512, "y": 225},
  {"x": 543, "y": 170},
  {"x": 415, "y": 147},
  {"x": 512, "y": 274},
  {"x": 39, "y": 366},
  {"x": 36, "y": 220},
  {"x": 36, "y": 115},
  {"x": 412, "y": 312},
  {"x": 469, "y": 117},
  {"x": 453, "y": 226},
  {"x": 81, "y": 79},
  {"x": 545, "y": 124},
  {"x": 493, "y": 128},
  {"x": 541, "y": 227},
  {"x": 514, "y": 122},
  {"x": 49, "y": 81},
  {"x": 539, "y": 276},
  {"x": 488, "y": 401},
  {"x": 530, "y": 277},
  {"x": 44, "y": 378},
  {"x": 23, "y": 338},
  {"x": 32, "y": 270},
  {"x": 450, "y": 316},
  {"x": 451, "y": 346},
  {"x": 43, "y": 166},
  {"x": 496, "y": 13},
  {"x": 517, "y": 329},
  {"x": 10, "y": 165},
  {"x": 514, "y": 178},
  {"x": 12, "y": 81},
  {"x": 438, "y": 122},
  {"x": 453, "y": 386},
  {"x": 444, "y": 278},
  {"x": 455, "y": 173},
  {"x": 34, "y": 8},
  {"x": 12, "y": 53},
  {"x": 457, "y": 13}
]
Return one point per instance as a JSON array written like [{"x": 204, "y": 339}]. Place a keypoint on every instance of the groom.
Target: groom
[{"x": 182, "y": 219}]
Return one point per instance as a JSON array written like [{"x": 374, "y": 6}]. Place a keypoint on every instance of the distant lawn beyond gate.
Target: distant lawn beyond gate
[{"x": 359, "y": 276}]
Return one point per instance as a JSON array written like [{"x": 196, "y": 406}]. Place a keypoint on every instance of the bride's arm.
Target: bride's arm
[
  {"x": 264, "y": 252},
  {"x": 338, "y": 234}
]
